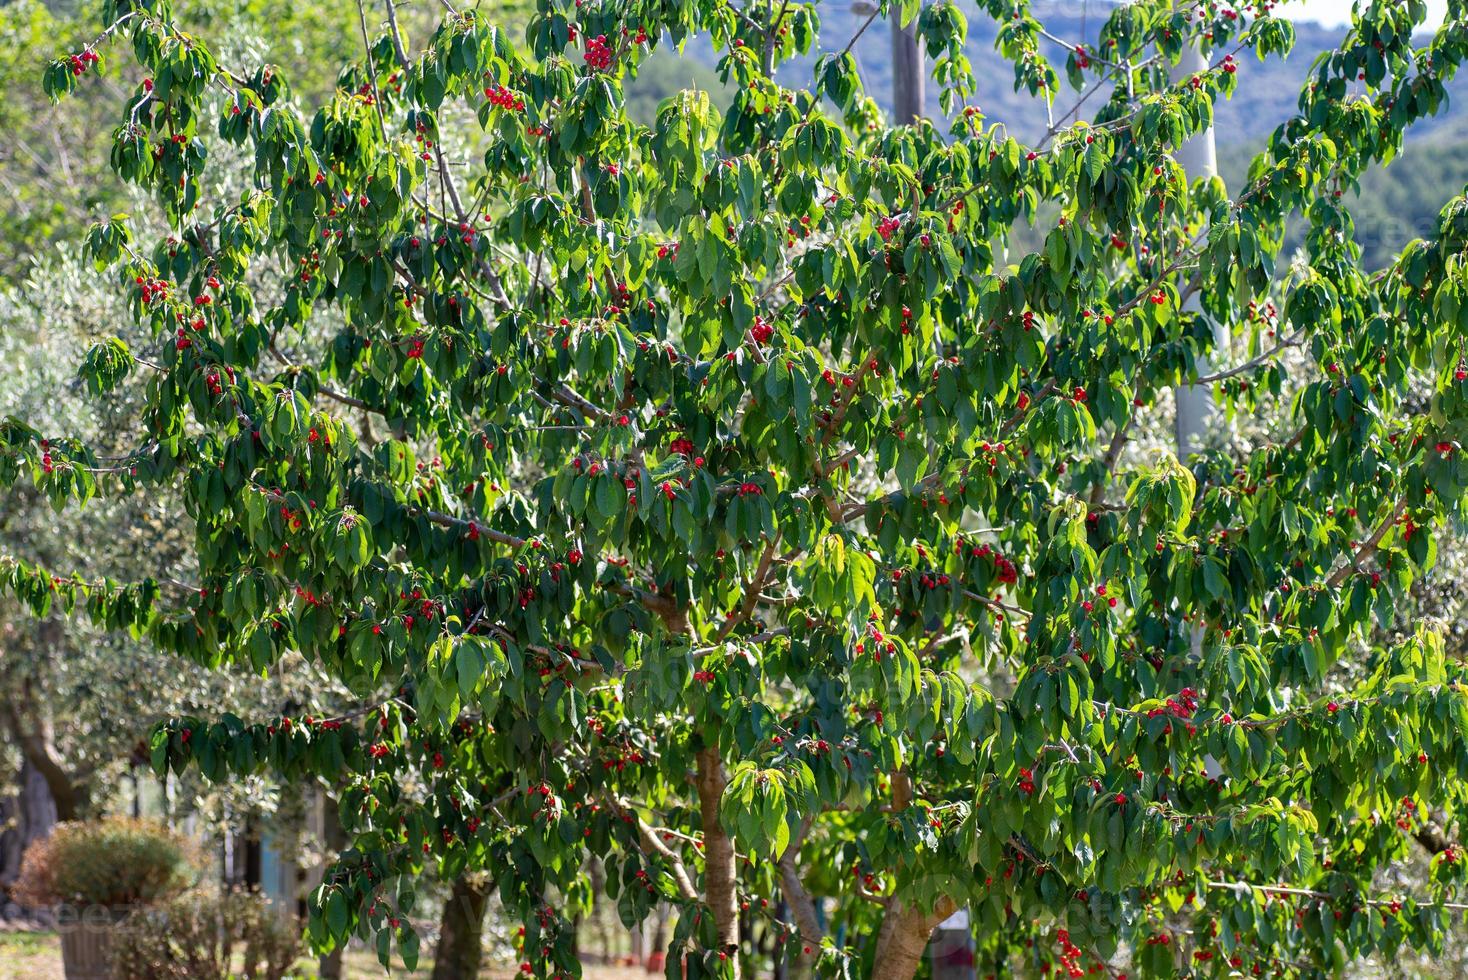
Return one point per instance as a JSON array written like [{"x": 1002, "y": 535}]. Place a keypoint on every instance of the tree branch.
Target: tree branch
[
  {"x": 1245, "y": 888},
  {"x": 1369, "y": 546},
  {"x": 802, "y": 906},
  {"x": 751, "y": 593},
  {"x": 35, "y": 745}
]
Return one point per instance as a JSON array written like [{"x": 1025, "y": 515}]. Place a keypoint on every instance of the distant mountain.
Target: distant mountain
[{"x": 1267, "y": 92}]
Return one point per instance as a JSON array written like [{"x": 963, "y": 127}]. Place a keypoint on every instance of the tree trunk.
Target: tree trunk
[
  {"x": 659, "y": 941},
  {"x": 28, "y": 815},
  {"x": 719, "y": 885},
  {"x": 904, "y": 937},
  {"x": 461, "y": 929},
  {"x": 31, "y": 732},
  {"x": 329, "y": 966},
  {"x": 64, "y": 794},
  {"x": 908, "y": 73},
  {"x": 11, "y": 847},
  {"x": 597, "y": 871},
  {"x": 38, "y": 810}
]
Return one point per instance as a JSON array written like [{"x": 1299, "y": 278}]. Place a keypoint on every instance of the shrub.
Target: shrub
[
  {"x": 195, "y": 936},
  {"x": 114, "y": 862}
]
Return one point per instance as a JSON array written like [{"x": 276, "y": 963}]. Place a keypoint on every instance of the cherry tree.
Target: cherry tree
[{"x": 721, "y": 498}]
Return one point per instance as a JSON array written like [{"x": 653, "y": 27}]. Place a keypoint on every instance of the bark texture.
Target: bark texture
[
  {"x": 719, "y": 885},
  {"x": 29, "y": 814},
  {"x": 461, "y": 930},
  {"x": 329, "y": 966},
  {"x": 802, "y": 905},
  {"x": 30, "y": 730},
  {"x": 904, "y": 937}
]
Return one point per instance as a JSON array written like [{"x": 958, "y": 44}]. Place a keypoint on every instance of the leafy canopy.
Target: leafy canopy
[{"x": 719, "y": 497}]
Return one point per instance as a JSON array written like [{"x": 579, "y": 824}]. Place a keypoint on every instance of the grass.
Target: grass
[
  {"x": 37, "y": 956},
  {"x": 29, "y": 956}
]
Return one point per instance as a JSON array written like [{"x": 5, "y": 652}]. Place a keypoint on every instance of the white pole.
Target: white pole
[{"x": 1197, "y": 413}]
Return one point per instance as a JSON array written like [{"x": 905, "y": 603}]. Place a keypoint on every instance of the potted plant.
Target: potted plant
[{"x": 93, "y": 873}]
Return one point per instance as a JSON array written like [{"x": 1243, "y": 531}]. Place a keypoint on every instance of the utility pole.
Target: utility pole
[
  {"x": 950, "y": 948},
  {"x": 908, "y": 71},
  {"x": 1197, "y": 412}
]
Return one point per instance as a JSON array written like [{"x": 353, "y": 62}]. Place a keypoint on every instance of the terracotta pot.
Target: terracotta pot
[
  {"x": 86, "y": 950},
  {"x": 656, "y": 962}
]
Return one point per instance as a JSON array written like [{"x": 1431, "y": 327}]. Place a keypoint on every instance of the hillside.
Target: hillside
[
  {"x": 1266, "y": 95},
  {"x": 1394, "y": 205}
]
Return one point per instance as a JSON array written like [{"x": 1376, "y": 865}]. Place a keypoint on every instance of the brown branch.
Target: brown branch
[
  {"x": 674, "y": 616},
  {"x": 1432, "y": 839},
  {"x": 802, "y": 906},
  {"x": 1369, "y": 546},
  {"x": 652, "y": 845},
  {"x": 1246, "y": 888},
  {"x": 448, "y": 520},
  {"x": 996, "y": 605},
  {"x": 901, "y": 784},
  {"x": 651, "y": 842},
  {"x": 1108, "y": 462},
  {"x": 751, "y": 592},
  {"x": 863, "y": 367},
  {"x": 1294, "y": 340},
  {"x": 372, "y": 71},
  {"x": 500, "y": 297},
  {"x": 904, "y": 936},
  {"x": 435, "y": 517}
]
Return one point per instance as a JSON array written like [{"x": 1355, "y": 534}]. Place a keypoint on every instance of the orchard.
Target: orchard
[{"x": 732, "y": 499}]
